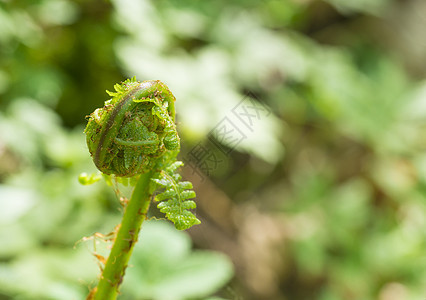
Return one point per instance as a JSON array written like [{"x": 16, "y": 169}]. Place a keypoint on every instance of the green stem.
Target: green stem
[{"x": 126, "y": 238}]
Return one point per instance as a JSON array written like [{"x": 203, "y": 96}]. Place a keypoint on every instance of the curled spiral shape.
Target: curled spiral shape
[{"x": 134, "y": 129}]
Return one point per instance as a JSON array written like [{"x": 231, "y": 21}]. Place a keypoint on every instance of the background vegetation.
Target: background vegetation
[{"x": 323, "y": 197}]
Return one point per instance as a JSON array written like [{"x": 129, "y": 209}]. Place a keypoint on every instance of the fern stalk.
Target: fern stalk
[{"x": 127, "y": 236}]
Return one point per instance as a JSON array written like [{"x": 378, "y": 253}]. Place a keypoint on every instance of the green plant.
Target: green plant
[{"x": 133, "y": 138}]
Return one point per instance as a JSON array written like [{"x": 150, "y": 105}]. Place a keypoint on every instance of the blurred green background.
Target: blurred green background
[{"x": 322, "y": 197}]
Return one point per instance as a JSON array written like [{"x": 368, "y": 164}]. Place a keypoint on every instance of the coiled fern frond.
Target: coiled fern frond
[
  {"x": 135, "y": 127},
  {"x": 133, "y": 138}
]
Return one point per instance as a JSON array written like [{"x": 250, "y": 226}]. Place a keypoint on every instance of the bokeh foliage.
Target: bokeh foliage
[{"x": 325, "y": 200}]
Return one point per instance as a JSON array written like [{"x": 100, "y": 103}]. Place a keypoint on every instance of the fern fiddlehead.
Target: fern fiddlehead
[
  {"x": 133, "y": 129},
  {"x": 134, "y": 135}
]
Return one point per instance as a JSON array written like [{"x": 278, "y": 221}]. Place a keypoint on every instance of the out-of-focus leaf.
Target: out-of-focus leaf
[{"x": 163, "y": 267}]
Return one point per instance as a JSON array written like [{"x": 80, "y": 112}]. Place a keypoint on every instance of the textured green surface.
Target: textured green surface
[{"x": 128, "y": 135}]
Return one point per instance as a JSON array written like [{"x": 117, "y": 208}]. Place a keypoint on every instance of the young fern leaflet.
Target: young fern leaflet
[{"x": 175, "y": 199}]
